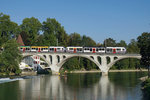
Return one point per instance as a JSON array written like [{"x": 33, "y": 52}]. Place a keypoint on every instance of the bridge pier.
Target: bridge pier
[
  {"x": 104, "y": 73},
  {"x": 55, "y": 73},
  {"x": 104, "y": 70},
  {"x": 55, "y": 70}
]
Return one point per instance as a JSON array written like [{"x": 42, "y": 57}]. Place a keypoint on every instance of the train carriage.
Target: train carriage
[
  {"x": 39, "y": 48},
  {"x": 74, "y": 49},
  {"x": 56, "y": 49},
  {"x": 115, "y": 50},
  {"x": 25, "y": 48},
  {"x": 94, "y": 49}
]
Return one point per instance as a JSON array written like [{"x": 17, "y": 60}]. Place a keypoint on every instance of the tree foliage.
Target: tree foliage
[
  {"x": 10, "y": 57},
  {"x": 133, "y": 47},
  {"x": 87, "y": 41},
  {"x": 144, "y": 45},
  {"x": 8, "y": 29},
  {"x": 32, "y": 27},
  {"x": 53, "y": 31},
  {"x": 75, "y": 39},
  {"x": 109, "y": 42}
]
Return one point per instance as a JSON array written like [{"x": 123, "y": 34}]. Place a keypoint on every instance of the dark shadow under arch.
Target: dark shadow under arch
[
  {"x": 119, "y": 59},
  {"x": 84, "y": 57}
]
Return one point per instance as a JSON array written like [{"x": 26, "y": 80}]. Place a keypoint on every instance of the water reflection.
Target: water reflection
[{"x": 74, "y": 87}]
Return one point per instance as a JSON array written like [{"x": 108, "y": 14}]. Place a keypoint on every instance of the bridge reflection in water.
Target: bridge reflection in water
[{"x": 59, "y": 88}]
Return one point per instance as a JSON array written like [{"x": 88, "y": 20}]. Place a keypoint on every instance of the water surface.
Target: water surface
[{"x": 89, "y": 86}]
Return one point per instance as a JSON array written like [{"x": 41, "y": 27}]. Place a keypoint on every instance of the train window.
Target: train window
[
  {"x": 70, "y": 48},
  {"x": 58, "y": 48},
  {"x": 118, "y": 49},
  {"x": 51, "y": 49},
  {"x": 79, "y": 49},
  {"x": 102, "y": 49},
  {"x": 109, "y": 50}
]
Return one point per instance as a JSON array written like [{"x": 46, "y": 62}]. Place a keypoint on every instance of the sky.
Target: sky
[{"x": 99, "y": 19}]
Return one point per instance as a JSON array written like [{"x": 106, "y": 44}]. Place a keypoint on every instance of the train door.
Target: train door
[
  {"x": 75, "y": 50},
  {"x": 39, "y": 49},
  {"x": 55, "y": 50},
  {"x": 24, "y": 49},
  {"x": 94, "y": 50},
  {"x": 114, "y": 50}
]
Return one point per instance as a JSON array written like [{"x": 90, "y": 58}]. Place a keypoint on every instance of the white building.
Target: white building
[{"x": 31, "y": 62}]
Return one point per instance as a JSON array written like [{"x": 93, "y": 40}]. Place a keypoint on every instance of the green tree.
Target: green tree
[
  {"x": 109, "y": 42},
  {"x": 122, "y": 43},
  {"x": 10, "y": 57},
  {"x": 52, "y": 28},
  {"x": 8, "y": 29},
  {"x": 32, "y": 27},
  {"x": 133, "y": 47},
  {"x": 144, "y": 45},
  {"x": 87, "y": 41},
  {"x": 49, "y": 39},
  {"x": 75, "y": 39}
]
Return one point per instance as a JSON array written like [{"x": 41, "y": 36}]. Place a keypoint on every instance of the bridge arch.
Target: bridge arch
[
  {"x": 120, "y": 58},
  {"x": 88, "y": 57}
]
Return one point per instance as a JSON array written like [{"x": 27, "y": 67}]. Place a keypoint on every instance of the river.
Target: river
[{"x": 85, "y": 86}]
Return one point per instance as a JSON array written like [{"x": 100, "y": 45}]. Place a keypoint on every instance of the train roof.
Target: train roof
[
  {"x": 39, "y": 46},
  {"x": 56, "y": 46},
  {"x": 74, "y": 47},
  {"x": 115, "y": 47},
  {"x": 25, "y": 46},
  {"x": 94, "y": 47}
]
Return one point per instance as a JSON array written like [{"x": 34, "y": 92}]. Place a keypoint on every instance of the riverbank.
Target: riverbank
[
  {"x": 33, "y": 73},
  {"x": 96, "y": 71}
]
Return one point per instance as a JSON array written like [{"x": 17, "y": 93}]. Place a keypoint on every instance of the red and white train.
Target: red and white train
[{"x": 74, "y": 49}]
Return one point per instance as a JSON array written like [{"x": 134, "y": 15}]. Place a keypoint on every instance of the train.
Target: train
[{"x": 73, "y": 49}]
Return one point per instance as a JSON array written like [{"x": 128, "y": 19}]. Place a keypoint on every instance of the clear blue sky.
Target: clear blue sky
[{"x": 99, "y": 19}]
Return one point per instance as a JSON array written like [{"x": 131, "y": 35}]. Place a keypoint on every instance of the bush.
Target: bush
[{"x": 18, "y": 72}]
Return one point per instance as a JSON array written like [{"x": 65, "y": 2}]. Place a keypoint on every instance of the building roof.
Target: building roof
[{"x": 20, "y": 41}]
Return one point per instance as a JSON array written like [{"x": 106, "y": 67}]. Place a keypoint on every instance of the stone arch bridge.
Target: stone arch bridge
[{"x": 103, "y": 61}]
